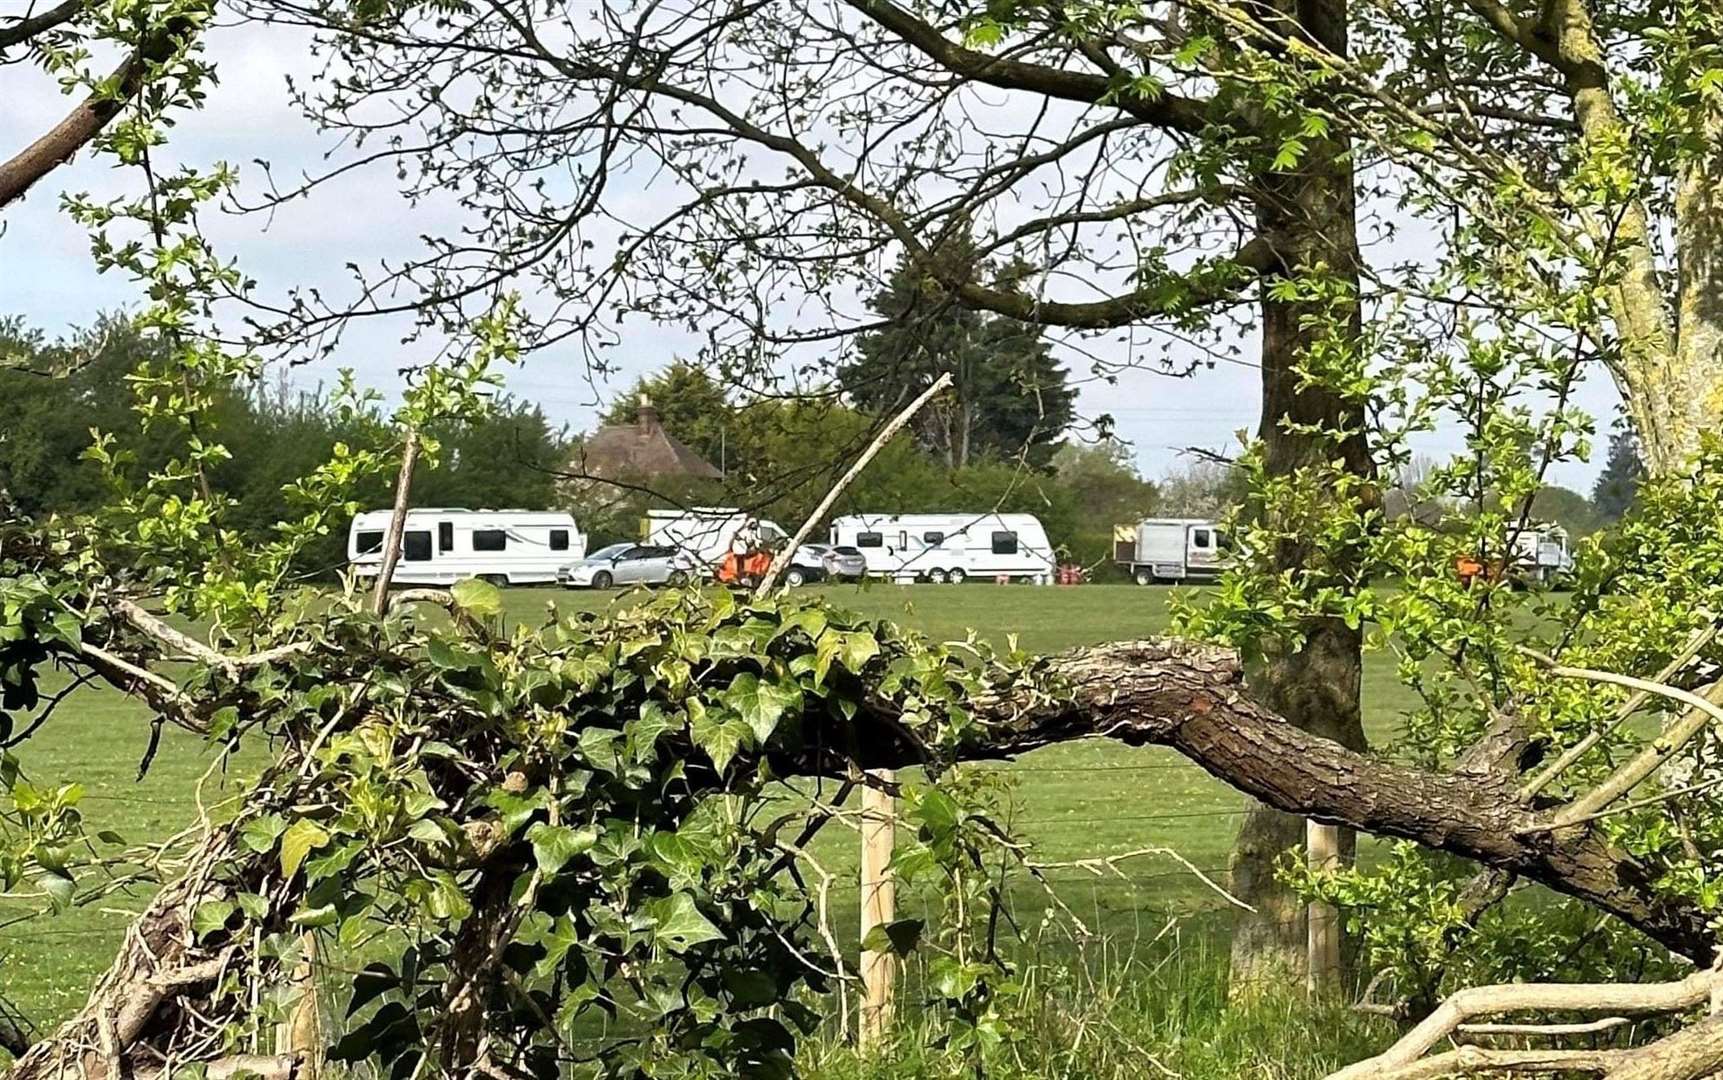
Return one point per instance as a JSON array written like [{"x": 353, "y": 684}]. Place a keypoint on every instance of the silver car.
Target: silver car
[
  {"x": 628, "y": 564},
  {"x": 818, "y": 562}
]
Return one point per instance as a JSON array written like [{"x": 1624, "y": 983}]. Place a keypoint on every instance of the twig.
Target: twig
[
  {"x": 1099, "y": 865},
  {"x": 782, "y": 558},
  {"x": 1636, "y": 804},
  {"x": 1402, "y": 1059}
]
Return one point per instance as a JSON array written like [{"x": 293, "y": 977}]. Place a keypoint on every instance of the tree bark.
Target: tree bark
[{"x": 1309, "y": 216}]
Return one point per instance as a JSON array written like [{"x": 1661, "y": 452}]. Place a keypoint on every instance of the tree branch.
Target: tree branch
[
  {"x": 895, "y": 425},
  {"x": 87, "y": 120},
  {"x": 1613, "y": 998},
  {"x": 1191, "y": 697},
  {"x": 26, "y": 28},
  {"x": 1168, "y": 110}
]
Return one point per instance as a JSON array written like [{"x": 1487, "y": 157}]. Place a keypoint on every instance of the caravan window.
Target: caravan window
[
  {"x": 933, "y": 538},
  {"x": 490, "y": 540},
  {"x": 370, "y": 543},
  {"x": 870, "y": 539},
  {"x": 416, "y": 545},
  {"x": 1004, "y": 543},
  {"x": 559, "y": 539},
  {"x": 445, "y": 536},
  {"x": 1200, "y": 539}
]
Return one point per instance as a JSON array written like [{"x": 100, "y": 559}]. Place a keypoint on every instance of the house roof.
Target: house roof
[{"x": 643, "y": 448}]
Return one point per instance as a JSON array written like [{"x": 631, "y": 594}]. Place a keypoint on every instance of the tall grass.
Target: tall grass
[{"x": 1115, "y": 1010}]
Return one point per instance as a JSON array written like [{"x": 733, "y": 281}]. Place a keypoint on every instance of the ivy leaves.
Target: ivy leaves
[{"x": 601, "y": 778}]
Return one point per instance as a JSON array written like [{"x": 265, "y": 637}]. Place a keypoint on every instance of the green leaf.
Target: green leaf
[
  {"x": 211, "y": 916},
  {"x": 678, "y": 924},
  {"x": 681, "y": 861},
  {"x": 760, "y": 704},
  {"x": 716, "y": 734},
  {"x": 480, "y": 599},
  {"x": 259, "y": 834},
  {"x": 517, "y": 810},
  {"x": 645, "y": 730},
  {"x": 898, "y": 937},
  {"x": 59, "y": 888},
  {"x": 599, "y": 747},
  {"x": 301, "y": 839},
  {"x": 554, "y": 845}
]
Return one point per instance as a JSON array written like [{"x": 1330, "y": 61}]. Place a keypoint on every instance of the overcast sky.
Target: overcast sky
[{"x": 47, "y": 276}]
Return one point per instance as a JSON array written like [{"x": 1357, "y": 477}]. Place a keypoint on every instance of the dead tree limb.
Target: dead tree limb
[{"x": 1613, "y": 998}]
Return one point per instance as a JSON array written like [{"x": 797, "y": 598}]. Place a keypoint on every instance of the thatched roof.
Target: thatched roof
[{"x": 643, "y": 448}]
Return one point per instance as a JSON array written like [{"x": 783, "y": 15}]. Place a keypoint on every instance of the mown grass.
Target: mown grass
[{"x": 1072, "y": 801}]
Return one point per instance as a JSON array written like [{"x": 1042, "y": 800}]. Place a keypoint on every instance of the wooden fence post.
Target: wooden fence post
[
  {"x": 1322, "y": 971},
  {"x": 878, "y": 907}
]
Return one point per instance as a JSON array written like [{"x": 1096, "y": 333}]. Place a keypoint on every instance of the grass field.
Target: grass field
[{"x": 1072, "y": 801}]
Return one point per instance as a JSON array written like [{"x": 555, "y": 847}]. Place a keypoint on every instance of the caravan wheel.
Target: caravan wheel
[
  {"x": 936, "y": 576},
  {"x": 499, "y": 580},
  {"x": 1145, "y": 576},
  {"x": 957, "y": 575}
]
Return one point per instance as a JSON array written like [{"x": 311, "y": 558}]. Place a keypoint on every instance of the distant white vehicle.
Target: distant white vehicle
[
  {"x": 707, "y": 532},
  {"x": 948, "y": 547},
  {"x": 442, "y": 546},
  {"x": 1171, "y": 549},
  {"x": 1541, "y": 553}
]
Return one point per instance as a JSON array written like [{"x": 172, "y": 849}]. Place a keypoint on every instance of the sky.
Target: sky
[{"x": 48, "y": 277}]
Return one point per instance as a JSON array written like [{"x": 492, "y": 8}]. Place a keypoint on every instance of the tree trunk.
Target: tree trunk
[{"x": 1309, "y": 215}]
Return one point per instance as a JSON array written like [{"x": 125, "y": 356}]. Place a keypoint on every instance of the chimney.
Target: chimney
[{"x": 646, "y": 416}]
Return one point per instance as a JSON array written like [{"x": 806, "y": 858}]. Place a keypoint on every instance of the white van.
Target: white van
[
  {"x": 949, "y": 547},
  {"x": 705, "y": 532},
  {"x": 443, "y": 545},
  {"x": 1171, "y": 549}
]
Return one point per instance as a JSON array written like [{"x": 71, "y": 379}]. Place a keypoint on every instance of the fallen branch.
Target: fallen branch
[
  {"x": 1402, "y": 1060},
  {"x": 1191, "y": 697},
  {"x": 163, "y": 632}
]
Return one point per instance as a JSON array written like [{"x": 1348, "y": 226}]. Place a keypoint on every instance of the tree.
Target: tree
[
  {"x": 1622, "y": 470},
  {"x": 1568, "y": 508},
  {"x": 1201, "y": 488},
  {"x": 1009, "y": 396},
  {"x": 1210, "y": 190}
]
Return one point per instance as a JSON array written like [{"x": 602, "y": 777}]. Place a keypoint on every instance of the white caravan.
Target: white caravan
[
  {"x": 1171, "y": 549},
  {"x": 442, "y": 546},
  {"x": 706, "y": 532},
  {"x": 948, "y": 547}
]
